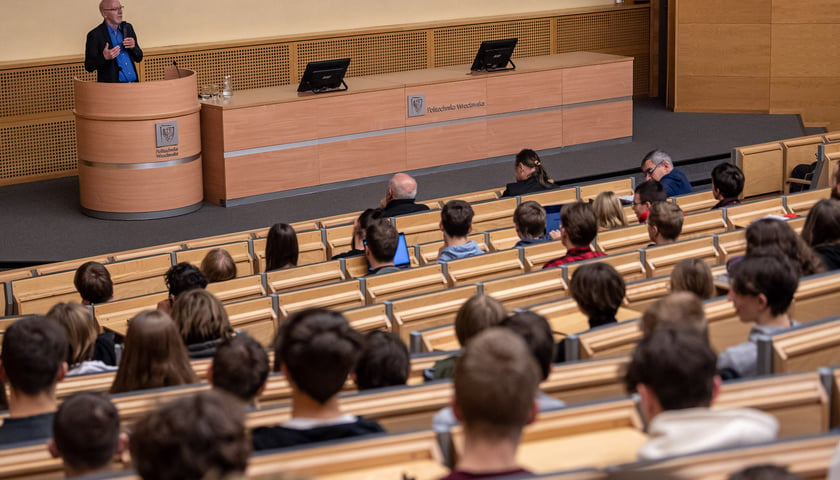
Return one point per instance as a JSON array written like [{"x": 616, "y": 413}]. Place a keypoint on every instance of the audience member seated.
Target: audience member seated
[
  {"x": 765, "y": 472},
  {"x": 202, "y": 322},
  {"x": 776, "y": 234},
  {"x": 535, "y": 330},
  {"x": 316, "y": 350},
  {"x": 218, "y": 266},
  {"x": 82, "y": 331},
  {"x": 477, "y": 314},
  {"x": 496, "y": 382},
  {"x": 577, "y": 231},
  {"x": 281, "y": 247},
  {"x": 86, "y": 435},
  {"x": 31, "y": 363},
  {"x": 665, "y": 222},
  {"x": 166, "y": 445},
  {"x": 93, "y": 282},
  {"x": 835, "y": 188},
  {"x": 657, "y": 165},
  {"x": 598, "y": 290},
  {"x": 531, "y": 176},
  {"x": 675, "y": 310},
  {"x": 727, "y": 184},
  {"x": 693, "y": 275},
  {"x": 762, "y": 289},
  {"x": 456, "y": 223},
  {"x": 180, "y": 278},
  {"x": 357, "y": 243},
  {"x": 381, "y": 241},
  {"x": 822, "y": 232},
  {"x": 608, "y": 211},
  {"x": 240, "y": 367},
  {"x": 673, "y": 371},
  {"x": 154, "y": 355},
  {"x": 529, "y": 221},
  {"x": 646, "y": 194},
  {"x": 385, "y": 362},
  {"x": 400, "y": 196}
]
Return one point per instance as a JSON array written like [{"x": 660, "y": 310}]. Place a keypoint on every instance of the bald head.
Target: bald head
[{"x": 402, "y": 187}]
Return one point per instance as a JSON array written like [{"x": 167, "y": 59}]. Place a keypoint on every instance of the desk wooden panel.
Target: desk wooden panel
[{"x": 275, "y": 139}]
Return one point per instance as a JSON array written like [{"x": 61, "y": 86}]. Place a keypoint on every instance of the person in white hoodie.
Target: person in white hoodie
[{"x": 674, "y": 371}]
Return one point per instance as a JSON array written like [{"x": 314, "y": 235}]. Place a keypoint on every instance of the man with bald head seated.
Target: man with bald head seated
[{"x": 399, "y": 199}]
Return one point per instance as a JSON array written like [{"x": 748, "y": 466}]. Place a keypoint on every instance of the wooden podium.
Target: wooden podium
[{"x": 139, "y": 147}]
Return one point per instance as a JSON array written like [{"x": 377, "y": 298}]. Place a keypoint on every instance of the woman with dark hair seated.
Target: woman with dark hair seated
[
  {"x": 281, "y": 247},
  {"x": 531, "y": 176}
]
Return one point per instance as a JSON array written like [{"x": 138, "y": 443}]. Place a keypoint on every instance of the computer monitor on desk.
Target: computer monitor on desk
[
  {"x": 494, "y": 56},
  {"x": 324, "y": 76}
]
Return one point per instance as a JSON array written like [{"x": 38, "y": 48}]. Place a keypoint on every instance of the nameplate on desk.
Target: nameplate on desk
[
  {"x": 166, "y": 136},
  {"x": 416, "y": 105}
]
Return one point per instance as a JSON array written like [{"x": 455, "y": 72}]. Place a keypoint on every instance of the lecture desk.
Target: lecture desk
[{"x": 268, "y": 140}]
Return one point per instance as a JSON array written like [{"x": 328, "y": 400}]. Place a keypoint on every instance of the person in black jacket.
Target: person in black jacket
[
  {"x": 316, "y": 349},
  {"x": 400, "y": 196},
  {"x": 531, "y": 176},
  {"x": 111, "y": 48}
]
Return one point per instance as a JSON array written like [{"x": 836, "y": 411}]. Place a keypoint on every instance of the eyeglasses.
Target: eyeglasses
[
  {"x": 115, "y": 9},
  {"x": 650, "y": 170}
]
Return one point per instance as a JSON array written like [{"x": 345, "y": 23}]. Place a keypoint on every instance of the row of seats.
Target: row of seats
[{"x": 799, "y": 401}]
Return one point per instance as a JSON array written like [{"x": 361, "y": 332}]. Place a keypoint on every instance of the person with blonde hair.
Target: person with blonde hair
[
  {"x": 675, "y": 310},
  {"x": 202, "y": 322},
  {"x": 608, "y": 211},
  {"x": 82, "y": 331},
  {"x": 693, "y": 275},
  {"x": 154, "y": 355}
]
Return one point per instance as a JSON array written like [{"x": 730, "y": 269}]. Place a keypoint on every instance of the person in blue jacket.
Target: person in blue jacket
[{"x": 657, "y": 165}]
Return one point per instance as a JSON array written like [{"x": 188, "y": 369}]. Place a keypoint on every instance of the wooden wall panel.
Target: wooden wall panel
[
  {"x": 587, "y": 84},
  {"x": 714, "y": 94},
  {"x": 271, "y": 171},
  {"x": 508, "y": 135},
  {"x": 806, "y": 51},
  {"x": 362, "y": 112},
  {"x": 372, "y": 156},
  {"x": 282, "y": 123},
  {"x": 724, "y": 11},
  {"x": 525, "y": 91},
  {"x": 597, "y": 122},
  {"x": 817, "y": 99},
  {"x": 805, "y": 11},
  {"x": 433, "y": 146},
  {"x": 724, "y": 50}
]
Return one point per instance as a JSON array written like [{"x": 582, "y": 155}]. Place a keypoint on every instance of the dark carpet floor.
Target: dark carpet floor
[{"x": 42, "y": 222}]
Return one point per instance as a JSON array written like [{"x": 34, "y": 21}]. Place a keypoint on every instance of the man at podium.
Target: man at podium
[{"x": 111, "y": 48}]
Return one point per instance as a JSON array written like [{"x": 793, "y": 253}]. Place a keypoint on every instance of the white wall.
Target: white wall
[{"x": 33, "y": 29}]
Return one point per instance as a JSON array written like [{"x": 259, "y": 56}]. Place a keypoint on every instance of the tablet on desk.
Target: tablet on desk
[{"x": 552, "y": 217}]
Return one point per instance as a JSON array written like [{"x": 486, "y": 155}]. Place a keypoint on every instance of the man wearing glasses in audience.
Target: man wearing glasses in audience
[
  {"x": 657, "y": 165},
  {"x": 111, "y": 48}
]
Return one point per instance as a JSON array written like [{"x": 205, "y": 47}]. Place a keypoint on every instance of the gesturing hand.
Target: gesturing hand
[
  {"x": 110, "y": 53},
  {"x": 128, "y": 42}
]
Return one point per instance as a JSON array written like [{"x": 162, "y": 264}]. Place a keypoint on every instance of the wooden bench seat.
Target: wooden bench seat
[
  {"x": 484, "y": 267},
  {"x": 304, "y": 276},
  {"x": 695, "y": 202},
  {"x": 427, "y": 310},
  {"x": 519, "y": 291},
  {"x": 661, "y": 259},
  {"x": 427, "y": 278},
  {"x": 741, "y": 215},
  {"x": 801, "y": 349}
]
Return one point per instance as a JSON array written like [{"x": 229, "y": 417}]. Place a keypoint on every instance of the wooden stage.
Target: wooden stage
[{"x": 268, "y": 140}]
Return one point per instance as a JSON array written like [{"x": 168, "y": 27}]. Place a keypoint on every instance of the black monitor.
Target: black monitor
[
  {"x": 324, "y": 76},
  {"x": 494, "y": 56}
]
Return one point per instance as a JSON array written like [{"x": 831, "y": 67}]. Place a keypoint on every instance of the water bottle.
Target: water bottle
[{"x": 227, "y": 86}]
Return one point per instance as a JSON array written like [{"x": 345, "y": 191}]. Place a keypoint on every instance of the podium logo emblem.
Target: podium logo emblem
[
  {"x": 166, "y": 134},
  {"x": 416, "y": 105}
]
